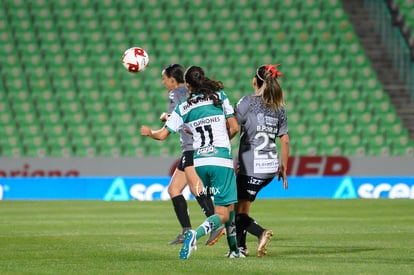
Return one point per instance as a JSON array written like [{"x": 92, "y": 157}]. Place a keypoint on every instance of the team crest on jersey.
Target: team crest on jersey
[
  {"x": 209, "y": 150},
  {"x": 266, "y": 124},
  {"x": 261, "y": 118}
]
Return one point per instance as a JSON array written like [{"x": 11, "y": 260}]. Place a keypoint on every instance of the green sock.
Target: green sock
[
  {"x": 231, "y": 232},
  {"x": 210, "y": 224}
]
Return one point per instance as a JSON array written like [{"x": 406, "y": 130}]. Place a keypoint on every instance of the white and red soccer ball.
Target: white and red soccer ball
[{"x": 135, "y": 59}]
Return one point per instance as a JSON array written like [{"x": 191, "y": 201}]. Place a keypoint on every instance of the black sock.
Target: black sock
[
  {"x": 181, "y": 210},
  {"x": 242, "y": 221},
  {"x": 248, "y": 224},
  {"x": 206, "y": 204},
  {"x": 255, "y": 229}
]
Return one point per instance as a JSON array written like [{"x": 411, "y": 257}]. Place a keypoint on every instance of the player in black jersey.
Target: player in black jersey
[{"x": 262, "y": 119}]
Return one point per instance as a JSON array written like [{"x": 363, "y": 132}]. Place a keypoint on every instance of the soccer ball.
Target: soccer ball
[{"x": 135, "y": 59}]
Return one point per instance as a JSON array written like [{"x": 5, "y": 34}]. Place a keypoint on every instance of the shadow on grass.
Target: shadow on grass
[
  {"x": 314, "y": 250},
  {"x": 379, "y": 254}
]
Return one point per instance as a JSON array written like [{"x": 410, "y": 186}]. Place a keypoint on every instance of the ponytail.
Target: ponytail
[
  {"x": 200, "y": 84},
  {"x": 269, "y": 87}
]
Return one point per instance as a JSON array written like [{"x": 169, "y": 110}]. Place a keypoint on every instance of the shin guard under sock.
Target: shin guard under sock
[
  {"x": 210, "y": 224},
  {"x": 231, "y": 232},
  {"x": 241, "y": 232},
  {"x": 206, "y": 204},
  {"x": 250, "y": 225},
  {"x": 181, "y": 210}
]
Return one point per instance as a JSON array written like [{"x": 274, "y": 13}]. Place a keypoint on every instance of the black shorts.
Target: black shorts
[
  {"x": 187, "y": 159},
  {"x": 248, "y": 187}
]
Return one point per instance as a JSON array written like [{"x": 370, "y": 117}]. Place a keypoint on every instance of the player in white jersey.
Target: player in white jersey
[
  {"x": 173, "y": 80},
  {"x": 209, "y": 116},
  {"x": 262, "y": 118}
]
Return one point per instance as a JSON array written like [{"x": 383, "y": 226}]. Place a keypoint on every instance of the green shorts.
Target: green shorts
[{"x": 219, "y": 182}]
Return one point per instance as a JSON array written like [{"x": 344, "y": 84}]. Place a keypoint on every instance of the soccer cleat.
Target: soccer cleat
[
  {"x": 190, "y": 243},
  {"x": 178, "y": 240},
  {"x": 244, "y": 251},
  {"x": 264, "y": 242},
  {"x": 235, "y": 254},
  {"x": 216, "y": 235}
]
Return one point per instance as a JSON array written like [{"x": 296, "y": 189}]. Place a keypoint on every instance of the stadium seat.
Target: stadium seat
[
  {"x": 13, "y": 151},
  {"x": 58, "y": 141},
  {"x": 399, "y": 149}
]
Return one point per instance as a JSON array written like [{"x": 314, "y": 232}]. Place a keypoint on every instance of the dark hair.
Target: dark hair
[
  {"x": 271, "y": 92},
  {"x": 200, "y": 84},
  {"x": 175, "y": 71}
]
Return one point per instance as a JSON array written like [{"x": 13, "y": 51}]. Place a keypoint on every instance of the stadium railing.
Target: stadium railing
[{"x": 392, "y": 37}]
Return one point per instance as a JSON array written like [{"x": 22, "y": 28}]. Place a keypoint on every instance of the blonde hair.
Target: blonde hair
[{"x": 269, "y": 88}]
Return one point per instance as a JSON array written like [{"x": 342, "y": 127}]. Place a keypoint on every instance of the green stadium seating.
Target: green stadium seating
[
  {"x": 406, "y": 7},
  {"x": 65, "y": 92},
  {"x": 58, "y": 140},
  {"x": 14, "y": 150}
]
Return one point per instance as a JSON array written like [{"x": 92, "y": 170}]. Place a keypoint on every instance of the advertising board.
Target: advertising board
[{"x": 155, "y": 188}]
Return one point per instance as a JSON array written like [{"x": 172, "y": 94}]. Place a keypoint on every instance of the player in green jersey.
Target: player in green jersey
[
  {"x": 173, "y": 80},
  {"x": 209, "y": 117}
]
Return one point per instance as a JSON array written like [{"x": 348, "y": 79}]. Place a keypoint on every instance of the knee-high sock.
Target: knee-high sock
[
  {"x": 206, "y": 204},
  {"x": 242, "y": 222},
  {"x": 210, "y": 224},
  {"x": 181, "y": 210},
  {"x": 231, "y": 232},
  {"x": 250, "y": 225}
]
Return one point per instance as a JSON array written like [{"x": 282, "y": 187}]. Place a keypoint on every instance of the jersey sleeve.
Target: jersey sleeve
[
  {"x": 283, "y": 125},
  {"x": 242, "y": 109},
  {"x": 227, "y": 108},
  {"x": 174, "y": 122},
  {"x": 174, "y": 100}
]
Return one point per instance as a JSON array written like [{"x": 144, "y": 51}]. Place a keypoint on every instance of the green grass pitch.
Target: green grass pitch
[{"x": 311, "y": 237}]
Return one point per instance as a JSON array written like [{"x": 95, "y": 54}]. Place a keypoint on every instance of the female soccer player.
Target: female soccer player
[
  {"x": 173, "y": 80},
  {"x": 262, "y": 118},
  {"x": 209, "y": 116}
]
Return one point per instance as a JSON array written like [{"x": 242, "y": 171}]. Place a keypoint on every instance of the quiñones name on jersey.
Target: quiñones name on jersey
[{"x": 207, "y": 123}]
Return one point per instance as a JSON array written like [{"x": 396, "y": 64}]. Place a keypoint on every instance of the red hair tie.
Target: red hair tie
[{"x": 272, "y": 68}]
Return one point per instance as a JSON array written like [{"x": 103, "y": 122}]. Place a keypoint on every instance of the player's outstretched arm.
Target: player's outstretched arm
[{"x": 160, "y": 134}]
